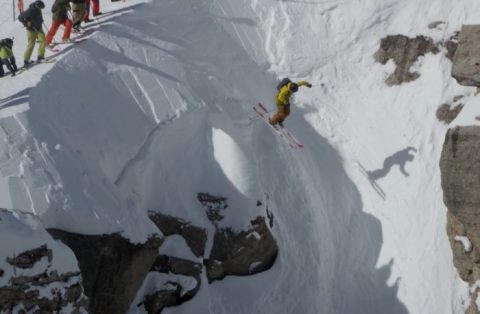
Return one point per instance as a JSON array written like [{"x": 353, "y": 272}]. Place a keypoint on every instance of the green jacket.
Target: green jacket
[
  {"x": 5, "y": 50},
  {"x": 5, "y": 53},
  {"x": 283, "y": 95}
]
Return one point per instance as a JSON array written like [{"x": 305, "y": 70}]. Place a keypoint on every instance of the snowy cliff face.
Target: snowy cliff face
[{"x": 122, "y": 135}]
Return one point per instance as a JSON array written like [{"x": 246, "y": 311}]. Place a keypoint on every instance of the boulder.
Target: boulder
[
  {"x": 112, "y": 267},
  {"x": 155, "y": 302},
  {"x": 195, "y": 237},
  {"x": 241, "y": 253},
  {"x": 460, "y": 171},
  {"x": 466, "y": 61}
]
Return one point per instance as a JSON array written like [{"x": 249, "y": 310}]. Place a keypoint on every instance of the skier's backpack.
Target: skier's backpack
[
  {"x": 22, "y": 17},
  {"x": 283, "y": 82}
]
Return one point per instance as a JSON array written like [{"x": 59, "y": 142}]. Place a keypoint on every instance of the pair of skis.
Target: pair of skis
[
  {"x": 23, "y": 68},
  {"x": 285, "y": 134},
  {"x": 54, "y": 46}
]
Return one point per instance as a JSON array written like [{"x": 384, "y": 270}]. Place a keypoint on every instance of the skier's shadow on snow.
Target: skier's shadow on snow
[
  {"x": 364, "y": 290},
  {"x": 400, "y": 158},
  {"x": 16, "y": 99}
]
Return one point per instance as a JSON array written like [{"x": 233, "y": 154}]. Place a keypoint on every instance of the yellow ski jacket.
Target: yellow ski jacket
[{"x": 283, "y": 95}]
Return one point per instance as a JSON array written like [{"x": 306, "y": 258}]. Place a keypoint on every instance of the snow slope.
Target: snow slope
[{"x": 154, "y": 108}]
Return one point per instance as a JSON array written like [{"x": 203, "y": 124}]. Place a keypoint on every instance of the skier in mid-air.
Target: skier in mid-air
[
  {"x": 285, "y": 89},
  {"x": 6, "y": 57}
]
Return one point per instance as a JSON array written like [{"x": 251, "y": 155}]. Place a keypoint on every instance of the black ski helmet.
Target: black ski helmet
[
  {"x": 8, "y": 42},
  {"x": 293, "y": 87},
  {"x": 39, "y": 4}
]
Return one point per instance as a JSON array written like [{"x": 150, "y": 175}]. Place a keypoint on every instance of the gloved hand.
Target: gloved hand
[{"x": 309, "y": 85}]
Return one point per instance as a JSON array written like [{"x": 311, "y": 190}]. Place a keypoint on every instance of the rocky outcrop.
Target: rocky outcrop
[
  {"x": 169, "y": 264},
  {"x": 447, "y": 113},
  {"x": 238, "y": 253},
  {"x": 466, "y": 62},
  {"x": 243, "y": 253},
  {"x": 460, "y": 169},
  {"x": 28, "y": 258},
  {"x": 452, "y": 45},
  {"x": 404, "y": 52},
  {"x": 154, "y": 303},
  {"x": 112, "y": 267},
  {"x": 214, "y": 206},
  {"x": 27, "y": 293},
  {"x": 177, "y": 294},
  {"x": 195, "y": 237}
]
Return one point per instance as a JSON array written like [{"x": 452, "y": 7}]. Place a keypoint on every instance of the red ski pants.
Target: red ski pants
[
  {"x": 54, "y": 28},
  {"x": 95, "y": 8}
]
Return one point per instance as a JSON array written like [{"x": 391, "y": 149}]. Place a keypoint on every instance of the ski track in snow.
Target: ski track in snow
[{"x": 174, "y": 83}]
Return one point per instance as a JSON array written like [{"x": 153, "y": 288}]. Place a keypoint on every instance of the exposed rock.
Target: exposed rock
[
  {"x": 447, "y": 114},
  {"x": 241, "y": 254},
  {"x": 168, "y": 264},
  {"x": 28, "y": 258},
  {"x": 473, "y": 308},
  {"x": 112, "y": 267},
  {"x": 464, "y": 261},
  {"x": 435, "y": 24},
  {"x": 214, "y": 205},
  {"x": 23, "y": 291},
  {"x": 404, "y": 51},
  {"x": 466, "y": 62},
  {"x": 157, "y": 301},
  {"x": 451, "y": 46},
  {"x": 43, "y": 279},
  {"x": 460, "y": 169},
  {"x": 195, "y": 237}
]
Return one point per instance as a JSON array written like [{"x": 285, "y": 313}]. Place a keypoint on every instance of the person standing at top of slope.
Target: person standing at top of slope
[
  {"x": 60, "y": 10},
  {"x": 78, "y": 12},
  {"x": 95, "y": 9},
  {"x": 6, "y": 57},
  {"x": 32, "y": 19},
  {"x": 285, "y": 90}
]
